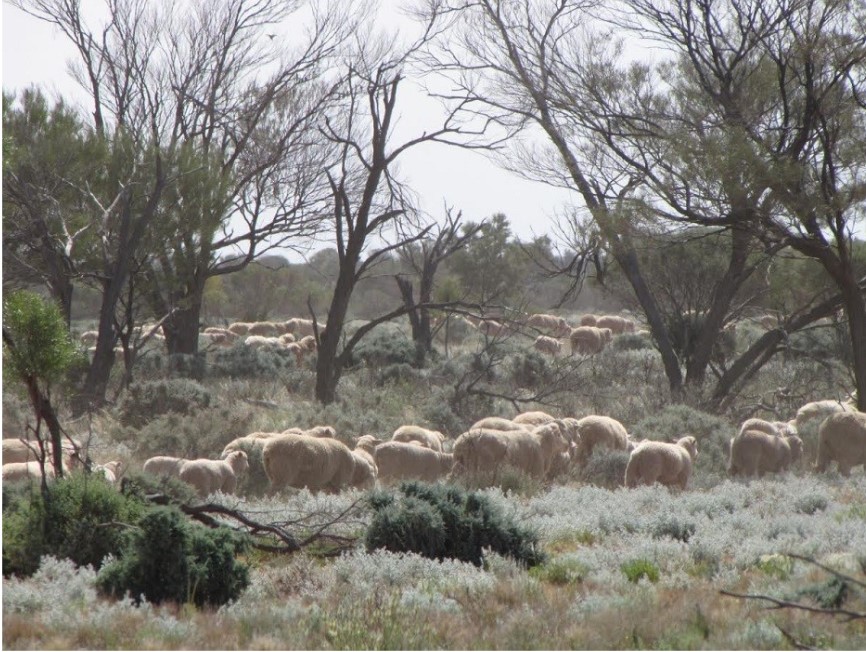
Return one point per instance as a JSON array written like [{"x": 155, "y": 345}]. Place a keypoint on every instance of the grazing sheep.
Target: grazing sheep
[
  {"x": 557, "y": 326},
  {"x": 240, "y": 327},
  {"x": 366, "y": 471},
  {"x": 262, "y": 342},
  {"x": 299, "y": 461},
  {"x": 399, "y": 460},
  {"x": 286, "y": 338},
  {"x": 300, "y": 327},
  {"x": 493, "y": 328},
  {"x": 164, "y": 465},
  {"x": 88, "y": 338},
  {"x": 536, "y": 418},
  {"x": 308, "y": 343},
  {"x": 821, "y": 409},
  {"x": 548, "y": 345},
  {"x": 17, "y": 451},
  {"x": 432, "y": 439},
  {"x": 589, "y": 340},
  {"x": 769, "y": 427},
  {"x": 667, "y": 464},
  {"x": 532, "y": 452},
  {"x": 589, "y": 320},
  {"x": 321, "y": 431},
  {"x": 298, "y": 351},
  {"x": 603, "y": 431},
  {"x": 111, "y": 470},
  {"x": 20, "y": 471},
  {"x": 207, "y": 476},
  {"x": 842, "y": 438},
  {"x": 265, "y": 328},
  {"x": 498, "y": 423},
  {"x": 756, "y": 452}
]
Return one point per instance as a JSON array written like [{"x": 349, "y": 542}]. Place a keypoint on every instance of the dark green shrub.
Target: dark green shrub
[
  {"x": 181, "y": 365},
  {"x": 828, "y": 595},
  {"x": 82, "y": 518},
  {"x": 169, "y": 558},
  {"x": 631, "y": 342},
  {"x": 147, "y": 400},
  {"x": 440, "y": 521},
  {"x": 138, "y": 484},
  {"x": 811, "y": 503},
  {"x": 199, "y": 433},
  {"x": 638, "y": 568},
  {"x": 242, "y": 361},
  {"x": 673, "y": 528},
  {"x": 528, "y": 368},
  {"x": 395, "y": 373},
  {"x": 561, "y": 572},
  {"x": 387, "y": 347},
  {"x": 606, "y": 468}
]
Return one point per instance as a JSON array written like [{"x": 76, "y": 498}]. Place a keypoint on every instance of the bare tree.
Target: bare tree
[{"x": 425, "y": 258}]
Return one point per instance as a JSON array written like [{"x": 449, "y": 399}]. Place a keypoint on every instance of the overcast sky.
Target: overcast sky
[{"x": 36, "y": 53}]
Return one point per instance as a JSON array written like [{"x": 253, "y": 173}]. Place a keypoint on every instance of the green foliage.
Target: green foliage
[
  {"x": 139, "y": 485},
  {"x": 606, "y": 468},
  {"x": 811, "y": 503},
  {"x": 828, "y": 595},
  {"x": 387, "y": 347},
  {"x": 528, "y": 368},
  {"x": 146, "y": 400},
  {"x": 778, "y": 566},
  {"x": 674, "y": 528},
  {"x": 168, "y": 558},
  {"x": 42, "y": 348},
  {"x": 635, "y": 569},
  {"x": 198, "y": 433},
  {"x": 561, "y": 571},
  {"x": 241, "y": 361},
  {"x": 82, "y": 518},
  {"x": 440, "y": 521},
  {"x": 631, "y": 342}
]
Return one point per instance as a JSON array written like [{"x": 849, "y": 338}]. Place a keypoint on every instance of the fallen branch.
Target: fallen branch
[{"x": 846, "y": 615}]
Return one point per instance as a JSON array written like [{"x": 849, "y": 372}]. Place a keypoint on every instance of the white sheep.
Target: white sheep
[
  {"x": 842, "y": 439},
  {"x": 88, "y": 338},
  {"x": 549, "y": 345},
  {"x": 667, "y": 464},
  {"x": 589, "y": 320},
  {"x": 240, "y": 327},
  {"x": 532, "y": 452},
  {"x": 756, "y": 452},
  {"x": 20, "y": 471},
  {"x": 24, "y": 450},
  {"x": 366, "y": 471},
  {"x": 164, "y": 465},
  {"x": 263, "y": 342},
  {"x": 399, "y": 460},
  {"x": 266, "y": 328},
  {"x": 432, "y": 439},
  {"x": 588, "y": 340},
  {"x": 596, "y": 430},
  {"x": 207, "y": 476},
  {"x": 300, "y": 327},
  {"x": 110, "y": 470},
  {"x": 821, "y": 409},
  {"x": 535, "y": 418},
  {"x": 319, "y": 464},
  {"x": 557, "y": 326},
  {"x": 618, "y": 325},
  {"x": 498, "y": 423}
]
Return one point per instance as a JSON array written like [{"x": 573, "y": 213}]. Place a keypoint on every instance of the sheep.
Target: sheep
[
  {"x": 22, "y": 450},
  {"x": 320, "y": 431},
  {"x": 821, "y": 409},
  {"x": 498, "y": 423},
  {"x": 299, "y": 461},
  {"x": 20, "y": 471},
  {"x": 557, "y": 326},
  {"x": 761, "y": 425},
  {"x": 432, "y": 439},
  {"x": 589, "y": 320},
  {"x": 111, "y": 470},
  {"x": 297, "y": 350},
  {"x": 532, "y": 452},
  {"x": 597, "y": 430},
  {"x": 207, "y": 476},
  {"x": 164, "y": 465},
  {"x": 88, "y": 338},
  {"x": 286, "y": 338},
  {"x": 240, "y": 327},
  {"x": 587, "y": 340},
  {"x": 399, "y": 460},
  {"x": 308, "y": 343},
  {"x": 493, "y": 328},
  {"x": 756, "y": 452},
  {"x": 535, "y": 418},
  {"x": 301, "y": 327},
  {"x": 262, "y": 342},
  {"x": 366, "y": 471},
  {"x": 667, "y": 464},
  {"x": 265, "y": 328},
  {"x": 842, "y": 438},
  {"x": 548, "y": 345}
]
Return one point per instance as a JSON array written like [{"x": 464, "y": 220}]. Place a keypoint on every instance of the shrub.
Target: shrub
[
  {"x": 168, "y": 558},
  {"x": 811, "y": 503},
  {"x": 242, "y": 361},
  {"x": 146, "y": 400},
  {"x": 440, "y": 521},
  {"x": 674, "y": 528},
  {"x": 631, "y": 342},
  {"x": 81, "y": 518},
  {"x": 387, "y": 347},
  {"x": 528, "y": 368},
  {"x": 196, "y": 434},
  {"x": 140, "y": 485},
  {"x": 606, "y": 468},
  {"x": 635, "y": 569},
  {"x": 561, "y": 571}
]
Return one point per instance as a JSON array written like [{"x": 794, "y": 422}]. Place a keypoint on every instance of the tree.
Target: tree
[
  {"x": 425, "y": 259},
  {"x": 36, "y": 352}
]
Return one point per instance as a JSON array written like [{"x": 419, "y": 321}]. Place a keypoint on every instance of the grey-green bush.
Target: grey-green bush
[{"x": 147, "y": 400}]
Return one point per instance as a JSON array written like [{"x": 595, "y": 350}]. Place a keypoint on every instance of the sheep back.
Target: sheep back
[
  {"x": 656, "y": 461},
  {"x": 399, "y": 460},
  {"x": 755, "y": 452},
  {"x": 301, "y": 461},
  {"x": 842, "y": 439}
]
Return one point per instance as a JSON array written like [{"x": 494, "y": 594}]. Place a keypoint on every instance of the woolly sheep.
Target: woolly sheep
[
  {"x": 493, "y": 328},
  {"x": 399, "y": 460},
  {"x": 111, "y": 470},
  {"x": 589, "y": 320},
  {"x": 207, "y": 476},
  {"x": 498, "y": 423},
  {"x": 300, "y": 327},
  {"x": 532, "y": 452},
  {"x": 535, "y": 418},
  {"x": 756, "y": 452},
  {"x": 266, "y": 328},
  {"x": 20, "y": 471},
  {"x": 587, "y": 340},
  {"x": 262, "y": 342},
  {"x": 321, "y": 431},
  {"x": 842, "y": 438},
  {"x": 595, "y": 430},
  {"x": 432, "y": 439},
  {"x": 88, "y": 338},
  {"x": 617, "y": 325},
  {"x": 299, "y": 461},
  {"x": 557, "y": 326},
  {"x": 308, "y": 342},
  {"x": 548, "y": 345},
  {"x": 821, "y": 409},
  {"x": 761, "y": 425},
  {"x": 164, "y": 465},
  {"x": 667, "y": 464},
  {"x": 21, "y": 450},
  {"x": 240, "y": 327},
  {"x": 366, "y": 471}
]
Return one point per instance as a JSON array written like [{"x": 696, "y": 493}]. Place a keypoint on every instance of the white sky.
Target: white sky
[{"x": 37, "y": 53}]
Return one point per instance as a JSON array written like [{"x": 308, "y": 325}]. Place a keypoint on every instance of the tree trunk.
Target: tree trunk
[
  {"x": 855, "y": 308},
  {"x": 182, "y": 327},
  {"x": 329, "y": 366},
  {"x": 405, "y": 286},
  {"x": 96, "y": 381}
]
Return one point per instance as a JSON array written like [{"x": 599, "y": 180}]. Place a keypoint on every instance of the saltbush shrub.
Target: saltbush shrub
[
  {"x": 606, "y": 468},
  {"x": 387, "y": 347},
  {"x": 242, "y": 361},
  {"x": 440, "y": 521},
  {"x": 146, "y": 400},
  {"x": 528, "y": 368},
  {"x": 82, "y": 518},
  {"x": 166, "y": 557},
  {"x": 636, "y": 569},
  {"x": 631, "y": 342}
]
